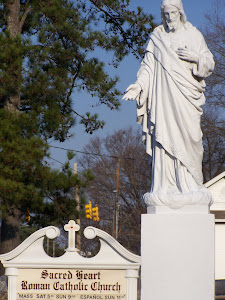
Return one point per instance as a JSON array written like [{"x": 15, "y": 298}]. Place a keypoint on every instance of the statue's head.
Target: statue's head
[{"x": 172, "y": 14}]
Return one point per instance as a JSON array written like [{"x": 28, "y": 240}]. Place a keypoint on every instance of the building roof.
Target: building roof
[
  {"x": 215, "y": 179},
  {"x": 217, "y": 187}
]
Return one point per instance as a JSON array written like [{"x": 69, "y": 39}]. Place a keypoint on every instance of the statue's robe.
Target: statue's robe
[{"x": 169, "y": 109}]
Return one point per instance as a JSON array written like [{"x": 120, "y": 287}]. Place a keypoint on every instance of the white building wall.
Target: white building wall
[{"x": 220, "y": 251}]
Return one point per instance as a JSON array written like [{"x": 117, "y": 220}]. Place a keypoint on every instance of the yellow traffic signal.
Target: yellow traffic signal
[
  {"x": 88, "y": 210},
  {"x": 28, "y": 216},
  {"x": 95, "y": 214}
]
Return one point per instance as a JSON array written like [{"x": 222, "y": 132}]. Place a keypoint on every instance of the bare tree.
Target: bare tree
[
  {"x": 213, "y": 121},
  {"x": 214, "y": 145},
  {"x": 215, "y": 36},
  {"x": 124, "y": 149}
]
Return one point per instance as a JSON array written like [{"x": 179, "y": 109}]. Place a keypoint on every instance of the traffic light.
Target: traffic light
[
  {"x": 88, "y": 210},
  {"x": 28, "y": 216},
  {"x": 95, "y": 214}
]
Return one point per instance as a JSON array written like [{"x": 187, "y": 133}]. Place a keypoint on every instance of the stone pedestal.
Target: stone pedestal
[{"x": 177, "y": 254}]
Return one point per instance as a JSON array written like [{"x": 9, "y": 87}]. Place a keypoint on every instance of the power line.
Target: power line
[
  {"x": 60, "y": 163},
  {"x": 56, "y": 160},
  {"x": 90, "y": 153}
]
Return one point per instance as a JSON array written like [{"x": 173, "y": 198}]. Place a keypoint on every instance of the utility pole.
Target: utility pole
[
  {"x": 77, "y": 199},
  {"x": 116, "y": 205}
]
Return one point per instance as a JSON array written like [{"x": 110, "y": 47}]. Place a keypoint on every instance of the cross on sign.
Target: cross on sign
[{"x": 71, "y": 227}]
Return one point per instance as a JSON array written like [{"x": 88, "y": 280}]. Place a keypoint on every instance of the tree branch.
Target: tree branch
[
  {"x": 114, "y": 21},
  {"x": 22, "y": 21}
]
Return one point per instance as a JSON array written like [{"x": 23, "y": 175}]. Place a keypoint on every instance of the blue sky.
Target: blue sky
[{"x": 126, "y": 116}]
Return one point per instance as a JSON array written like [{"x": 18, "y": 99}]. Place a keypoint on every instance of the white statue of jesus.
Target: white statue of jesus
[{"x": 170, "y": 92}]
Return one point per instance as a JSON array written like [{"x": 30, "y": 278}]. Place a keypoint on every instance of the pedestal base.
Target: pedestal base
[{"x": 177, "y": 254}]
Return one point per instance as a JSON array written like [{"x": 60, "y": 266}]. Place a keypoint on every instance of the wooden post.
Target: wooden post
[
  {"x": 116, "y": 205},
  {"x": 53, "y": 248},
  {"x": 47, "y": 246},
  {"x": 77, "y": 199}
]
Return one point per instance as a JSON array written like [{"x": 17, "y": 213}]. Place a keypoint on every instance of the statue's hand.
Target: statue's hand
[
  {"x": 132, "y": 92},
  {"x": 187, "y": 55}
]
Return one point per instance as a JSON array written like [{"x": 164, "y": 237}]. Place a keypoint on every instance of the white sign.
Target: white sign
[
  {"x": 32, "y": 274},
  {"x": 70, "y": 284}
]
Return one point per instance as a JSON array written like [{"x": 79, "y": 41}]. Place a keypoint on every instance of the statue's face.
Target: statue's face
[{"x": 172, "y": 17}]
